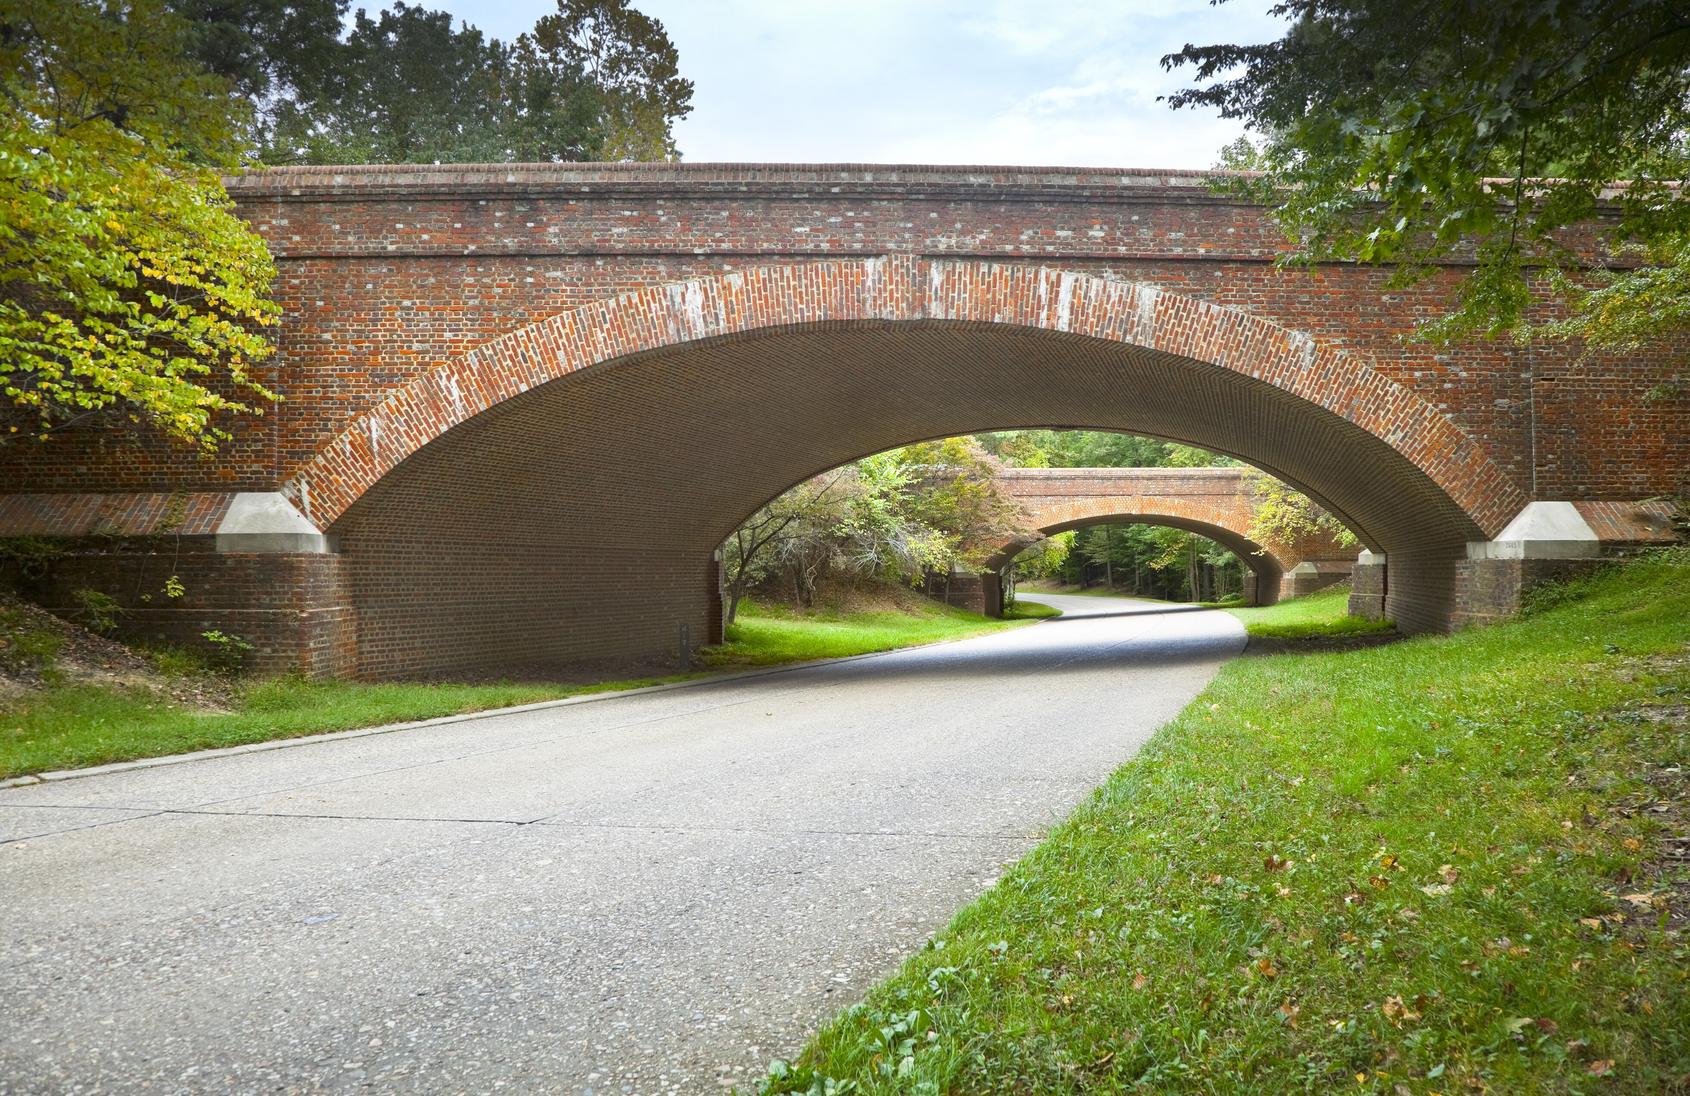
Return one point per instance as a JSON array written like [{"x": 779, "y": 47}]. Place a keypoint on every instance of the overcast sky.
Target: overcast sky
[{"x": 1058, "y": 82}]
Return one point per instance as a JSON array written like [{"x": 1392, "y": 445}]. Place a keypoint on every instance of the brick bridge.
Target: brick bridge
[
  {"x": 1217, "y": 503},
  {"x": 524, "y": 404}
]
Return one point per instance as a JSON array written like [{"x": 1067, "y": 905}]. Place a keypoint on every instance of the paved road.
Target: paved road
[{"x": 650, "y": 893}]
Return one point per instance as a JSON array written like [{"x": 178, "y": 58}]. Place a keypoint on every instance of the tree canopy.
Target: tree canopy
[
  {"x": 1406, "y": 133},
  {"x": 129, "y": 290},
  {"x": 127, "y": 285},
  {"x": 596, "y": 80}
]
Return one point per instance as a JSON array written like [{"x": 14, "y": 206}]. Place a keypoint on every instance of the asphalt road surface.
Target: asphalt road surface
[{"x": 656, "y": 892}]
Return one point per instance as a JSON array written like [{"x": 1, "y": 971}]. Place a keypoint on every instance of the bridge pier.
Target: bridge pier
[
  {"x": 245, "y": 564},
  {"x": 1367, "y": 586},
  {"x": 1545, "y": 542},
  {"x": 976, "y": 591},
  {"x": 1314, "y": 574}
]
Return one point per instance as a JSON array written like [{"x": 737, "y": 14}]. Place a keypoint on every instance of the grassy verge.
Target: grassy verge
[
  {"x": 1323, "y": 613},
  {"x": 768, "y": 635},
  {"x": 1445, "y": 865},
  {"x": 71, "y": 726}
]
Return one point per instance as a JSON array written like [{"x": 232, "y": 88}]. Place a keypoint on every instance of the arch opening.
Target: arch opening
[{"x": 1265, "y": 570}]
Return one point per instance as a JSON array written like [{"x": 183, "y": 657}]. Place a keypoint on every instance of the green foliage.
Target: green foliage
[
  {"x": 30, "y": 556},
  {"x": 632, "y": 67},
  {"x": 899, "y": 516},
  {"x": 1046, "y": 559},
  {"x": 1496, "y": 131},
  {"x": 1093, "y": 449},
  {"x": 97, "y": 611},
  {"x": 226, "y": 653},
  {"x": 128, "y": 288},
  {"x": 265, "y": 49},
  {"x": 1285, "y": 516},
  {"x": 597, "y": 80},
  {"x": 1439, "y": 865}
]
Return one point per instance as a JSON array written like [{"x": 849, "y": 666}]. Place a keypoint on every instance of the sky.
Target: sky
[{"x": 1060, "y": 82}]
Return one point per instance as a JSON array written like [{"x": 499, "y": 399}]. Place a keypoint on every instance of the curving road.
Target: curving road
[{"x": 655, "y": 892}]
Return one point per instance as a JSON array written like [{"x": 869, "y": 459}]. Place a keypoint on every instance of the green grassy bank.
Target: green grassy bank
[
  {"x": 1323, "y": 613},
  {"x": 767, "y": 635},
  {"x": 1444, "y": 865},
  {"x": 67, "y": 726}
]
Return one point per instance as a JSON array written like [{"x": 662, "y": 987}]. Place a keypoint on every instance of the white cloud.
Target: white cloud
[{"x": 935, "y": 81}]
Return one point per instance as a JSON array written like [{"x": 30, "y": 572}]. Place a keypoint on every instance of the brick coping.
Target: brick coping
[{"x": 562, "y": 179}]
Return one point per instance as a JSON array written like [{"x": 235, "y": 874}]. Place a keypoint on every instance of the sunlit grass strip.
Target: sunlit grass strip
[
  {"x": 1322, "y": 613},
  {"x": 1430, "y": 867},
  {"x": 763, "y": 637},
  {"x": 74, "y": 726}
]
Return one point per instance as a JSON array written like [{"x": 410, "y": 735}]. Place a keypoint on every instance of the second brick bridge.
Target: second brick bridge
[{"x": 1217, "y": 503}]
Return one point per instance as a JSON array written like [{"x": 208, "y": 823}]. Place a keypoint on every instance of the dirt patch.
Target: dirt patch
[{"x": 39, "y": 650}]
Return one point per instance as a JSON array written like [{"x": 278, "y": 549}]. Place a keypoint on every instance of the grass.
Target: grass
[
  {"x": 1438, "y": 866},
  {"x": 71, "y": 726},
  {"x": 768, "y": 635},
  {"x": 1322, "y": 613}
]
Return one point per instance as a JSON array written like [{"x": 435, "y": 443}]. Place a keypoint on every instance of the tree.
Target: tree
[
  {"x": 629, "y": 59},
  {"x": 410, "y": 87},
  {"x": 899, "y": 516},
  {"x": 128, "y": 287},
  {"x": 1285, "y": 516},
  {"x": 1092, "y": 449},
  {"x": 747, "y": 557},
  {"x": 266, "y": 49},
  {"x": 595, "y": 80},
  {"x": 1406, "y": 134}
]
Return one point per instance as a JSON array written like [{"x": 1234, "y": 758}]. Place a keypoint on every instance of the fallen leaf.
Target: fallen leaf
[
  {"x": 1266, "y": 967},
  {"x": 1436, "y": 889},
  {"x": 1274, "y": 863},
  {"x": 1643, "y": 901},
  {"x": 1545, "y": 1024},
  {"x": 1633, "y": 844},
  {"x": 1140, "y": 981},
  {"x": 1601, "y": 1067},
  {"x": 1397, "y": 1012},
  {"x": 1449, "y": 873}
]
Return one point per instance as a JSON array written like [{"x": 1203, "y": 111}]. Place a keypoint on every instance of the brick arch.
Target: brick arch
[
  {"x": 1196, "y": 517},
  {"x": 903, "y": 289},
  {"x": 555, "y": 495}
]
